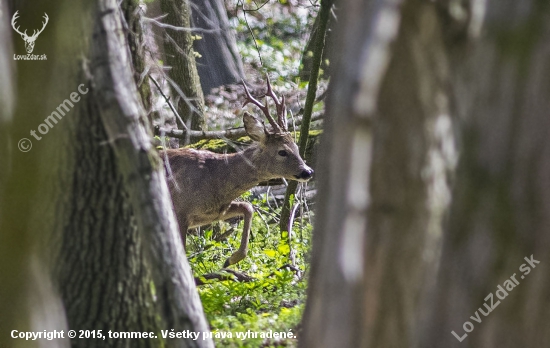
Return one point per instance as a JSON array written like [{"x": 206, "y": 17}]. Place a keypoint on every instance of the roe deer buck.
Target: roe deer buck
[{"x": 205, "y": 184}]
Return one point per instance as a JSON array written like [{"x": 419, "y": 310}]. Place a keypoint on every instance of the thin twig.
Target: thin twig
[
  {"x": 250, "y": 29},
  {"x": 169, "y": 104},
  {"x": 292, "y": 252}
]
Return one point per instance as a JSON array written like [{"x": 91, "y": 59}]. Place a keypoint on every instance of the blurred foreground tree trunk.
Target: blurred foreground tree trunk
[
  {"x": 29, "y": 183},
  {"x": 389, "y": 153},
  {"x": 219, "y": 62},
  {"x": 499, "y": 224},
  {"x": 15, "y": 243}
]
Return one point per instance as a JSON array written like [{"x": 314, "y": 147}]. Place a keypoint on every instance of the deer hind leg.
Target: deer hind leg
[{"x": 240, "y": 209}]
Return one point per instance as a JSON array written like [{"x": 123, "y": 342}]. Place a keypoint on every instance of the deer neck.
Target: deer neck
[{"x": 244, "y": 170}]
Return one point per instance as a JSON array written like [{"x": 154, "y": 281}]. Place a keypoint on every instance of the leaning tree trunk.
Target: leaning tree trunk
[
  {"x": 219, "y": 62},
  {"x": 91, "y": 196},
  {"x": 319, "y": 51},
  {"x": 180, "y": 56},
  {"x": 499, "y": 222},
  {"x": 388, "y": 154},
  {"x": 143, "y": 175},
  {"x": 306, "y": 60}
]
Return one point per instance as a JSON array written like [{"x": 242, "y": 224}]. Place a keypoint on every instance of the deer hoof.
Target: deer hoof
[
  {"x": 227, "y": 263},
  {"x": 236, "y": 257}
]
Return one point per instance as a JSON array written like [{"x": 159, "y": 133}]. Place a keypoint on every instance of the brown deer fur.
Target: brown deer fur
[{"x": 204, "y": 184}]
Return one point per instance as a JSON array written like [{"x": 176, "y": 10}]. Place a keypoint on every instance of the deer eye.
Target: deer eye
[{"x": 283, "y": 153}]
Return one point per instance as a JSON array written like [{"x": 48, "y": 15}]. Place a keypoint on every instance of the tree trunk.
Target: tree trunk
[
  {"x": 133, "y": 13},
  {"x": 28, "y": 174},
  {"x": 15, "y": 245},
  {"x": 219, "y": 62},
  {"x": 388, "y": 154},
  {"x": 413, "y": 161},
  {"x": 145, "y": 54},
  {"x": 102, "y": 258},
  {"x": 306, "y": 61},
  {"x": 180, "y": 56},
  {"x": 88, "y": 208},
  {"x": 317, "y": 57},
  {"x": 499, "y": 214},
  {"x": 143, "y": 174}
]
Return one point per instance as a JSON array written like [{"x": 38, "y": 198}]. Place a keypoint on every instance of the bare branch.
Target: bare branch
[
  {"x": 233, "y": 133},
  {"x": 224, "y": 274},
  {"x": 173, "y": 27}
]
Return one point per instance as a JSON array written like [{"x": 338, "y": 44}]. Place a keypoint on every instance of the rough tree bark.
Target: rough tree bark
[
  {"x": 143, "y": 175},
  {"x": 219, "y": 62},
  {"x": 89, "y": 203},
  {"x": 388, "y": 152},
  {"x": 499, "y": 215},
  {"x": 133, "y": 12},
  {"x": 101, "y": 254},
  {"x": 180, "y": 56}
]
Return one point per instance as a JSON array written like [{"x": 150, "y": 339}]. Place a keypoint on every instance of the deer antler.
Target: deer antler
[
  {"x": 13, "y": 24},
  {"x": 279, "y": 105},
  {"x": 46, "y": 18},
  {"x": 279, "y": 126}
]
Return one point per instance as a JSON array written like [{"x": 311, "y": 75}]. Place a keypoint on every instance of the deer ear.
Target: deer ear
[{"x": 254, "y": 127}]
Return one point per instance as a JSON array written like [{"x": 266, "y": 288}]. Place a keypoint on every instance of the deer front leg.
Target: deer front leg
[
  {"x": 240, "y": 209},
  {"x": 184, "y": 227}
]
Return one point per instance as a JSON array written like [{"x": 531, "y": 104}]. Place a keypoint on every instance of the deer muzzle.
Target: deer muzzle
[{"x": 305, "y": 174}]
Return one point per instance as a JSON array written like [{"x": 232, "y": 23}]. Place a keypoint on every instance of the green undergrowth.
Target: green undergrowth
[{"x": 274, "y": 300}]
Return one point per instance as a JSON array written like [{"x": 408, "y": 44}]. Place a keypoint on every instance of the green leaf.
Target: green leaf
[
  {"x": 270, "y": 252},
  {"x": 284, "y": 248}
]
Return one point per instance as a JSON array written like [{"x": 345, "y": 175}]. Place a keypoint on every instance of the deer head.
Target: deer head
[
  {"x": 29, "y": 40},
  {"x": 277, "y": 154}
]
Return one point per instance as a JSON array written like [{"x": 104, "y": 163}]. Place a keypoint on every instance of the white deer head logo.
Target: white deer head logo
[{"x": 29, "y": 40}]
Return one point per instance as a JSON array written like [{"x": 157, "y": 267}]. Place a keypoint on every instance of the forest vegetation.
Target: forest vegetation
[{"x": 425, "y": 224}]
